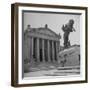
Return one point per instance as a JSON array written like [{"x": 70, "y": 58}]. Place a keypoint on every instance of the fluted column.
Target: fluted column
[
  {"x": 37, "y": 50},
  {"x": 48, "y": 48},
  {"x": 43, "y": 51}
]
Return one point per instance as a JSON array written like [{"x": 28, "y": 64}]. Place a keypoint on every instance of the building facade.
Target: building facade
[{"x": 41, "y": 44}]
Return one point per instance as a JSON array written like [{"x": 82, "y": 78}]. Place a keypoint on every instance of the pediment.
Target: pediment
[{"x": 44, "y": 31}]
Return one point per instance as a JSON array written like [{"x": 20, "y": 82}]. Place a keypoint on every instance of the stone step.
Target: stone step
[{"x": 69, "y": 68}]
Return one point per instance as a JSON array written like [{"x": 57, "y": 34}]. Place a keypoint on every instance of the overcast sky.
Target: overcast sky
[{"x": 55, "y": 22}]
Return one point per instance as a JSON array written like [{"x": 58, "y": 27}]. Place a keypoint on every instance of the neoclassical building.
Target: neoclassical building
[{"x": 41, "y": 44}]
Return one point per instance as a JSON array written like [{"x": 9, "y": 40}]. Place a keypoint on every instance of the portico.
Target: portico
[{"x": 42, "y": 44}]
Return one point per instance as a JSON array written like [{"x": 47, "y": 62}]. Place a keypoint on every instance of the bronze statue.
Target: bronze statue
[{"x": 67, "y": 29}]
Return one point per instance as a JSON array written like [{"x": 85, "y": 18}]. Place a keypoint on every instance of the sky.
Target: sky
[{"x": 55, "y": 22}]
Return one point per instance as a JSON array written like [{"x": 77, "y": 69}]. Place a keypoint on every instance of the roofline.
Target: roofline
[{"x": 44, "y": 28}]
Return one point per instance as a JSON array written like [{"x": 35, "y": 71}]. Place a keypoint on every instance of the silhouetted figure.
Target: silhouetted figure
[{"x": 67, "y": 29}]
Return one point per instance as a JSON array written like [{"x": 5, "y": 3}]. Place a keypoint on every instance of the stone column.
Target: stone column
[
  {"x": 53, "y": 55},
  {"x": 37, "y": 50},
  {"x": 32, "y": 46},
  {"x": 48, "y": 49},
  {"x": 58, "y": 45},
  {"x": 56, "y": 51},
  {"x": 43, "y": 51}
]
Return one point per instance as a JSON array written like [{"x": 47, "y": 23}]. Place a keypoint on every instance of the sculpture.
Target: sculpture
[{"x": 67, "y": 29}]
